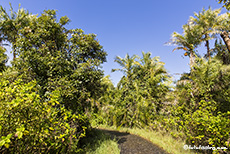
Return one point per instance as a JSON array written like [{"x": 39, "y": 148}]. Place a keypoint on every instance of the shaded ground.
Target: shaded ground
[{"x": 132, "y": 144}]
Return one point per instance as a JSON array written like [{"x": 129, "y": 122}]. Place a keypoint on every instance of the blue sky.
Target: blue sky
[{"x": 127, "y": 26}]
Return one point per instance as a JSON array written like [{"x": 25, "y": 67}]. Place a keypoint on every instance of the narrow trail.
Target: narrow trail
[{"x": 133, "y": 144}]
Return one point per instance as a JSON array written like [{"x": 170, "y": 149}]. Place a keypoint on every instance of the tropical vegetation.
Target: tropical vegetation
[
  {"x": 43, "y": 94},
  {"x": 55, "y": 90}
]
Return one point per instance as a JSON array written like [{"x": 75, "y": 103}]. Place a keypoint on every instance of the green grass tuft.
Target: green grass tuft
[{"x": 97, "y": 142}]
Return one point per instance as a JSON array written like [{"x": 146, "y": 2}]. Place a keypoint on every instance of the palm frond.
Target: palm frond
[{"x": 180, "y": 48}]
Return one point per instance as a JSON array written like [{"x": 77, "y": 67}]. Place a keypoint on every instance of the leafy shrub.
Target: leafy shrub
[
  {"x": 30, "y": 125},
  {"x": 201, "y": 127}
]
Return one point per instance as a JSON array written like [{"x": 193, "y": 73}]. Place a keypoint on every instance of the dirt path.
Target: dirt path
[{"x": 132, "y": 144}]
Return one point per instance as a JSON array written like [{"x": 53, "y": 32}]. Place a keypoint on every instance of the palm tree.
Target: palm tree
[
  {"x": 226, "y": 3},
  {"x": 152, "y": 76},
  {"x": 140, "y": 90},
  {"x": 11, "y": 24},
  {"x": 128, "y": 63},
  {"x": 208, "y": 22},
  {"x": 188, "y": 41},
  {"x": 224, "y": 27},
  {"x": 152, "y": 65},
  {"x": 150, "y": 71},
  {"x": 126, "y": 103}
]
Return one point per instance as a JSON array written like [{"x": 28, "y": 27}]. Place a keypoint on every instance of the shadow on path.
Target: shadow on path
[{"x": 133, "y": 144}]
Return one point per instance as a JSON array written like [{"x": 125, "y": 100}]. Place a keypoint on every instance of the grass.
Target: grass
[
  {"x": 97, "y": 142},
  {"x": 165, "y": 141}
]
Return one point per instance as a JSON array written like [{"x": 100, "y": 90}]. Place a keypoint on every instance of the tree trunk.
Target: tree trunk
[
  {"x": 226, "y": 39},
  {"x": 14, "y": 55},
  {"x": 191, "y": 59},
  {"x": 208, "y": 48}
]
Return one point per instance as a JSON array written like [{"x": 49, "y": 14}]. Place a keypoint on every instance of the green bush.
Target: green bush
[
  {"x": 30, "y": 125},
  {"x": 202, "y": 127}
]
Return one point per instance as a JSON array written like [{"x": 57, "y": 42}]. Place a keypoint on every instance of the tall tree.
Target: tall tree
[
  {"x": 153, "y": 77},
  {"x": 141, "y": 90},
  {"x": 223, "y": 26},
  {"x": 125, "y": 87}
]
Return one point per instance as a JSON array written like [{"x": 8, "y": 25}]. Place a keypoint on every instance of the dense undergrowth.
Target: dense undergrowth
[{"x": 30, "y": 125}]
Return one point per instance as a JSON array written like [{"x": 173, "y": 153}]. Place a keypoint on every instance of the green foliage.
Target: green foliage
[
  {"x": 203, "y": 27},
  {"x": 58, "y": 58},
  {"x": 55, "y": 82},
  {"x": 207, "y": 21},
  {"x": 202, "y": 110},
  {"x": 188, "y": 41},
  {"x": 43, "y": 95},
  {"x": 97, "y": 142},
  {"x": 221, "y": 52},
  {"x": 30, "y": 125},
  {"x": 138, "y": 97},
  {"x": 201, "y": 106},
  {"x": 3, "y": 59},
  {"x": 11, "y": 23},
  {"x": 225, "y": 2}
]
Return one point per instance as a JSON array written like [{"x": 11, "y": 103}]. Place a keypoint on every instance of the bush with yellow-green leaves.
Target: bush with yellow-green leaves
[{"x": 30, "y": 125}]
